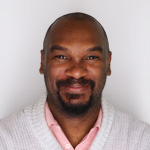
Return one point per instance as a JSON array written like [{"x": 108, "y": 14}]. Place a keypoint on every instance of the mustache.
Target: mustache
[{"x": 70, "y": 81}]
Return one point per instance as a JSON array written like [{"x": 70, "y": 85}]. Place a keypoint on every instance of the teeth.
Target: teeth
[{"x": 76, "y": 85}]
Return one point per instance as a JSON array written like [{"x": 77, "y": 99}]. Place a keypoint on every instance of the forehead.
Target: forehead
[{"x": 77, "y": 32}]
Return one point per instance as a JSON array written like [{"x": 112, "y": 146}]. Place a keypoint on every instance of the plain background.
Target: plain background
[{"x": 23, "y": 24}]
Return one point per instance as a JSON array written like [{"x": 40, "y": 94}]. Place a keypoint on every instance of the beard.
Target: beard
[
  {"x": 75, "y": 109},
  {"x": 80, "y": 108}
]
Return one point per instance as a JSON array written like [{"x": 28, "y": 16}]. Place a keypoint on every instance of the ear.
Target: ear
[
  {"x": 41, "y": 70},
  {"x": 109, "y": 62}
]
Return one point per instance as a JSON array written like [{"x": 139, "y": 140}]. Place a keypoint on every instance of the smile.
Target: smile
[{"x": 76, "y": 88}]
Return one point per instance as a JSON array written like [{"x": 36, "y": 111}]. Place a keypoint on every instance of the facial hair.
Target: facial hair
[
  {"x": 76, "y": 109},
  {"x": 79, "y": 108}
]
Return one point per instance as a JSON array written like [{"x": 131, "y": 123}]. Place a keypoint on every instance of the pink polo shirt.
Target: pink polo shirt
[{"x": 62, "y": 139}]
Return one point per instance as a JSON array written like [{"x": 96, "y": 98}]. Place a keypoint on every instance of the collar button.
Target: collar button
[{"x": 67, "y": 146}]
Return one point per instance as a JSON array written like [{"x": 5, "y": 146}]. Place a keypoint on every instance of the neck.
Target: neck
[{"x": 75, "y": 128}]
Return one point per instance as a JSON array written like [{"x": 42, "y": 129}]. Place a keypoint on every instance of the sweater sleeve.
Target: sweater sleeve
[
  {"x": 5, "y": 136},
  {"x": 146, "y": 138},
  {"x": 16, "y": 134}
]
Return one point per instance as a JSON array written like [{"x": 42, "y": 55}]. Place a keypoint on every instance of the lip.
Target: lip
[{"x": 76, "y": 88}]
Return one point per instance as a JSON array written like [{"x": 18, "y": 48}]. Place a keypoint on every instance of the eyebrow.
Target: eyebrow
[
  {"x": 96, "y": 48},
  {"x": 57, "y": 47}
]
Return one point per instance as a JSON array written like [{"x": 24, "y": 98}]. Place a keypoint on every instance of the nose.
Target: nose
[{"x": 76, "y": 71}]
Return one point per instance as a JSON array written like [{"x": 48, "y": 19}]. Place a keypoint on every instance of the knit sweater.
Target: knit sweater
[{"x": 28, "y": 130}]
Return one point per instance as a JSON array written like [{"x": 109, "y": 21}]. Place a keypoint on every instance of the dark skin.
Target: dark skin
[{"x": 75, "y": 48}]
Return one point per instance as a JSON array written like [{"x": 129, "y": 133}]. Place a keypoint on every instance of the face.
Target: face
[{"x": 75, "y": 65}]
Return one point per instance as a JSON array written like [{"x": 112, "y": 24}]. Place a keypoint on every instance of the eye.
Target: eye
[
  {"x": 92, "y": 57},
  {"x": 60, "y": 57}
]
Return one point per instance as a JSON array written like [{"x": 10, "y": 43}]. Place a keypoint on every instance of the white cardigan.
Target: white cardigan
[{"x": 28, "y": 130}]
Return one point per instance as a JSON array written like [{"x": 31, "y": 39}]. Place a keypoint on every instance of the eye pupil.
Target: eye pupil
[
  {"x": 91, "y": 57},
  {"x": 62, "y": 57}
]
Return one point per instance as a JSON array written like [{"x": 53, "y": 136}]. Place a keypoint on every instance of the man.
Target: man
[{"x": 75, "y": 61}]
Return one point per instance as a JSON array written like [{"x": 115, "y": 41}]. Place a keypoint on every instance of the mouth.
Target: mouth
[
  {"x": 77, "y": 88},
  {"x": 74, "y": 86},
  {"x": 76, "y": 93}
]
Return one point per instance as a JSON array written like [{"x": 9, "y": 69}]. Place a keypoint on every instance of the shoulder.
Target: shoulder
[
  {"x": 129, "y": 122},
  {"x": 17, "y": 130},
  {"x": 26, "y": 129},
  {"x": 123, "y": 121},
  {"x": 23, "y": 119},
  {"x": 12, "y": 121},
  {"x": 132, "y": 131},
  {"x": 123, "y": 130},
  {"x": 9, "y": 128}
]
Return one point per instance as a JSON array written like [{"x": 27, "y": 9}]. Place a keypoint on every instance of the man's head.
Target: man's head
[{"x": 75, "y": 61}]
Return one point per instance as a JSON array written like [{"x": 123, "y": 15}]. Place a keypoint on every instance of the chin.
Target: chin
[{"x": 75, "y": 105}]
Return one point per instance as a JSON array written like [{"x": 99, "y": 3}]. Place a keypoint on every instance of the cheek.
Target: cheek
[
  {"x": 54, "y": 73},
  {"x": 96, "y": 71},
  {"x": 58, "y": 72},
  {"x": 97, "y": 74}
]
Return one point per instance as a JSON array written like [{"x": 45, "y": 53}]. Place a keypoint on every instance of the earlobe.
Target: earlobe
[
  {"x": 109, "y": 62},
  {"x": 41, "y": 70},
  {"x": 108, "y": 71}
]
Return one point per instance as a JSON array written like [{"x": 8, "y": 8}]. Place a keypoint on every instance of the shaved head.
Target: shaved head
[
  {"x": 75, "y": 62},
  {"x": 77, "y": 17}
]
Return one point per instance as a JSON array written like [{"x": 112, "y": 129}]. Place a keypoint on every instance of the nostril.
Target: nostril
[{"x": 76, "y": 72}]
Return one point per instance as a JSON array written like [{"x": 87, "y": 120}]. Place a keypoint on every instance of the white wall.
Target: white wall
[{"x": 23, "y": 24}]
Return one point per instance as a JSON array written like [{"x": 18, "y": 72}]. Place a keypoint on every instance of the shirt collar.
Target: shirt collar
[
  {"x": 49, "y": 117},
  {"x": 51, "y": 120}
]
